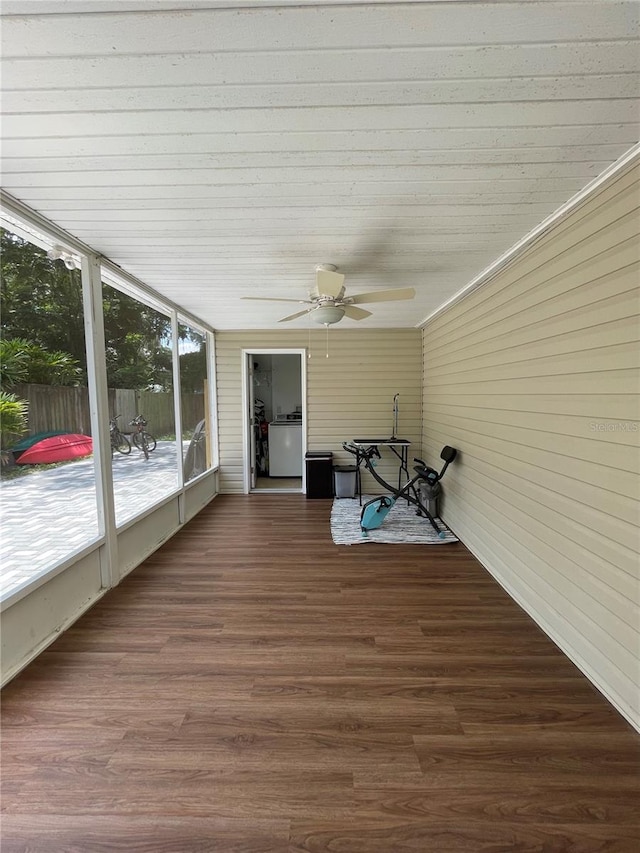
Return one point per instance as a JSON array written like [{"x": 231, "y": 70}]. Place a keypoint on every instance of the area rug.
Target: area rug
[{"x": 402, "y": 525}]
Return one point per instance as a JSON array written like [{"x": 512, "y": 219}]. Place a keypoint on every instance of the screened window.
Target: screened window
[
  {"x": 194, "y": 401},
  {"x": 48, "y": 505},
  {"x": 139, "y": 354}
]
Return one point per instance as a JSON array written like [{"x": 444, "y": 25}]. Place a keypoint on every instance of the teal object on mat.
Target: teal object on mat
[{"x": 375, "y": 511}]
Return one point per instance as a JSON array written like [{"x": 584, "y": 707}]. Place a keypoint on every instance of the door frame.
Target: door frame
[{"x": 248, "y": 354}]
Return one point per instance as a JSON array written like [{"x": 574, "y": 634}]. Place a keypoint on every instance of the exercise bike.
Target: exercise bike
[{"x": 376, "y": 510}]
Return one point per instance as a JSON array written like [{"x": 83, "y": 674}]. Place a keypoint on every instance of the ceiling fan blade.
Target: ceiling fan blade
[
  {"x": 355, "y": 313},
  {"x": 329, "y": 283},
  {"x": 275, "y": 299},
  {"x": 382, "y": 296},
  {"x": 295, "y": 316}
]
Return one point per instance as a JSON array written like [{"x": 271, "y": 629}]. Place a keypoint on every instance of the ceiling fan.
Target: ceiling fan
[{"x": 329, "y": 304}]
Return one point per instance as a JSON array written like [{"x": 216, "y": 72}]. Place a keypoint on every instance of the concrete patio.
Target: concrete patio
[{"x": 48, "y": 515}]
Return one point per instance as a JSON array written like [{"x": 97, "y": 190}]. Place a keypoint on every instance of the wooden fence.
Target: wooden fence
[{"x": 57, "y": 407}]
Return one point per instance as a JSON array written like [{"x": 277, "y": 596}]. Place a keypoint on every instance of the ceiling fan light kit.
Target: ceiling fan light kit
[{"x": 327, "y": 315}]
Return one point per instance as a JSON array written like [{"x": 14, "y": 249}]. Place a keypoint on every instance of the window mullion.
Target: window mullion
[{"x": 99, "y": 410}]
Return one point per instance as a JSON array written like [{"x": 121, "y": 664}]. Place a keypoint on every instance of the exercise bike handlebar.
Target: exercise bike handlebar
[{"x": 365, "y": 453}]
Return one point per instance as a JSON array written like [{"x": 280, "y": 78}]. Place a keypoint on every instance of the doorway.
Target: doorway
[{"x": 274, "y": 420}]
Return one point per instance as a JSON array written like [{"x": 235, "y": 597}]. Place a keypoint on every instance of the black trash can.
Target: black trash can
[
  {"x": 319, "y": 471},
  {"x": 345, "y": 479}
]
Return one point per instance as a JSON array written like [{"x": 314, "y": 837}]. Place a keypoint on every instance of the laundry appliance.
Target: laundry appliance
[{"x": 285, "y": 446}]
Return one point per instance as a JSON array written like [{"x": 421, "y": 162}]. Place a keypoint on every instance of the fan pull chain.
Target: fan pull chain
[
  {"x": 309, "y": 347},
  {"x": 327, "y": 340}
]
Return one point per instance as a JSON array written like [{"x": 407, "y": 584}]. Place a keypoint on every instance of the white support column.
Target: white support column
[
  {"x": 99, "y": 410},
  {"x": 212, "y": 413},
  {"x": 177, "y": 409}
]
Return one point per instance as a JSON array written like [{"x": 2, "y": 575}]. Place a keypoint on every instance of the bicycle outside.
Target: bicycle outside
[
  {"x": 142, "y": 439},
  {"x": 119, "y": 440}
]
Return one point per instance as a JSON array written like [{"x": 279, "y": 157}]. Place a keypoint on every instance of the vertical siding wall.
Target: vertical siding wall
[
  {"x": 349, "y": 394},
  {"x": 534, "y": 377}
]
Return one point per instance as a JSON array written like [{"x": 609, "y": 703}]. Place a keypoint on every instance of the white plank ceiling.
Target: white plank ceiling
[{"x": 223, "y": 150}]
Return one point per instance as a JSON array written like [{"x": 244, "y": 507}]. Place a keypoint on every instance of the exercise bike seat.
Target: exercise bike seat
[
  {"x": 448, "y": 454},
  {"x": 429, "y": 474}
]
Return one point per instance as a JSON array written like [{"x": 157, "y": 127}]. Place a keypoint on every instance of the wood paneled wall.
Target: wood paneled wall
[
  {"x": 349, "y": 395},
  {"x": 534, "y": 377}
]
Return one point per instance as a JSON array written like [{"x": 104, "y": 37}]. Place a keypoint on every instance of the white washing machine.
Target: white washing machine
[{"x": 285, "y": 448}]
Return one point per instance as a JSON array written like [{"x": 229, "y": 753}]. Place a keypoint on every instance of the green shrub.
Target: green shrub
[
  {"x": 13, "y": 422},
  {"x": 27, "y": 362}
]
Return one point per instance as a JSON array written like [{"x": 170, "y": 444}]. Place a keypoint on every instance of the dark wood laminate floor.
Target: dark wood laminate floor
[{"x": 254, "y": 688}]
